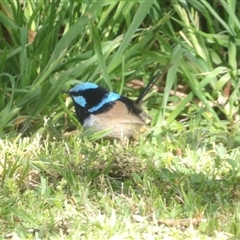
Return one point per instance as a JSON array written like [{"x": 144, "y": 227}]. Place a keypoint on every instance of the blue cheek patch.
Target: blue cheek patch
[
  {"x": 110, "y": 97},
  {"x": 83, "y": 86},
  {"x": 80, "y": 101}
]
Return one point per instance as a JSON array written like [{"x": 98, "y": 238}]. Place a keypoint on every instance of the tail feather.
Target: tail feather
[{"x": 157, "y": 77}]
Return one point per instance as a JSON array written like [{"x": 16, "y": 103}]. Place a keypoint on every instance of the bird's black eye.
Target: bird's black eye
[{"x": 89, "y": 98}]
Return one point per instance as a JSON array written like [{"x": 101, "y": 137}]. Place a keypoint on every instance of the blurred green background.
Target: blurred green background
[{"x": 47, "y": 46}]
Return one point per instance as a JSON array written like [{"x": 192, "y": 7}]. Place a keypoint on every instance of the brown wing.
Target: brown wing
[
  {"x": 121, "y": 113},
  {"x": 119, "y": 120}
]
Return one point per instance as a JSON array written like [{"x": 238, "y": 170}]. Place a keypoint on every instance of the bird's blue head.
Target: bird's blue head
[{"x": 89, "y": 98}]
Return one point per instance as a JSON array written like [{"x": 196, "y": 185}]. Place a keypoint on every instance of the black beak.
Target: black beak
[{"x": 66, "y": 91}]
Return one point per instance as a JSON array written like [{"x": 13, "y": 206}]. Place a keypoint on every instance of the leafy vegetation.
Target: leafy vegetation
[{"x": 178, "y": 181}]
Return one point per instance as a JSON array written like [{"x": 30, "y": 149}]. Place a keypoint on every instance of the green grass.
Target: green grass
[
  {"x": 184, "y": 186},
  {"x": 178, "y": 181}
]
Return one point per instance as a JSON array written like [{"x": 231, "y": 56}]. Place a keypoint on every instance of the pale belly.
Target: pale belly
[{"x": 116, "y": 128}]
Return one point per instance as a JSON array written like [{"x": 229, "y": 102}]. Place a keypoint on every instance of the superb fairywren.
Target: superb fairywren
[{"x": 100, "y": 109}]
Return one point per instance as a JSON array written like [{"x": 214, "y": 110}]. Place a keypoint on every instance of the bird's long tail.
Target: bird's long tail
[{"x": 157, "y": 77}]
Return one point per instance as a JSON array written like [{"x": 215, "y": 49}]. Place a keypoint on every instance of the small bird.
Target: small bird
[{"x": 101, "y": 110}]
